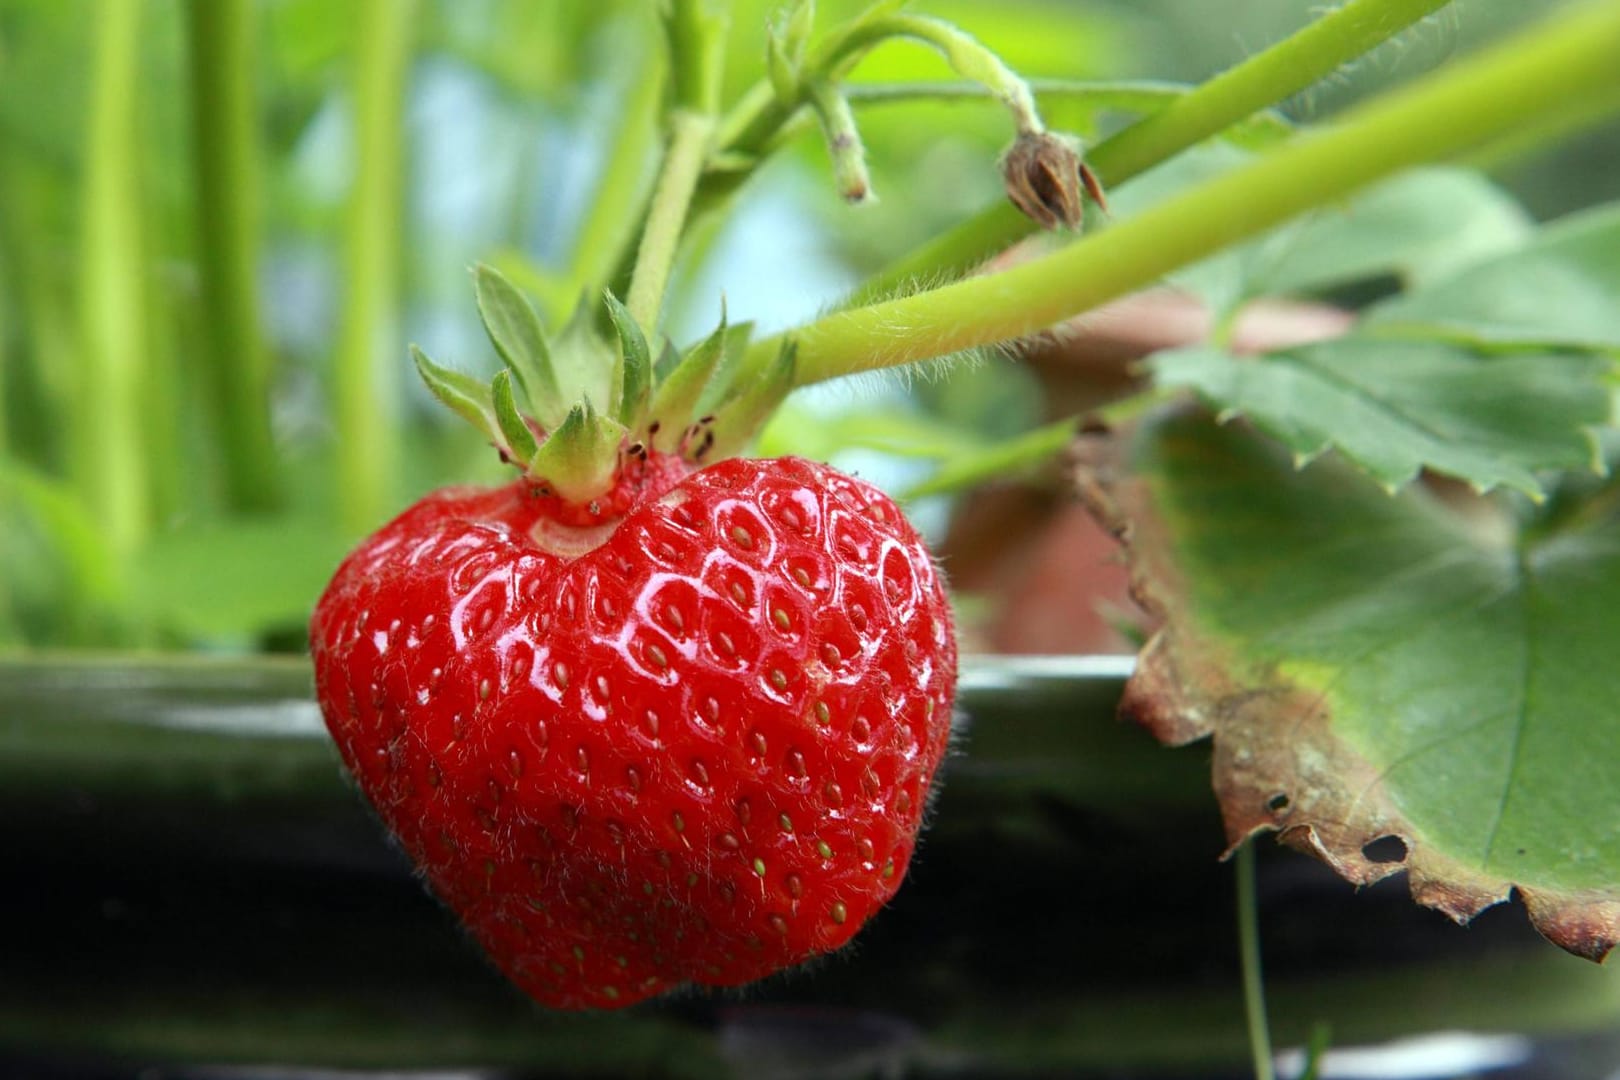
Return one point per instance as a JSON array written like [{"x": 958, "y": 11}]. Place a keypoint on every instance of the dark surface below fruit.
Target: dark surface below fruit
[{"x": 191, "y": 885}]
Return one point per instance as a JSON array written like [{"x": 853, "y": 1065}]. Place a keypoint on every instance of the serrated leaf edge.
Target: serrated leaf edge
[{"x": 1159, "y": 697}]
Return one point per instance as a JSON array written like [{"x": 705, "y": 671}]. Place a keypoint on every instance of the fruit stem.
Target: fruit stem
[
  {"x": 224, "y": 132},
  {"x": 365, "y": 380},
  {"x": 843, "y": 140},
  {"x": 1470, "y": 104},
  {"x": 690, "y": 135},
  {"x": 967, "y": 57},
  {"x": 1254, "y": 989},
  {"x": 696, "y": 32},
  {"x": 1265, "y": 78}
]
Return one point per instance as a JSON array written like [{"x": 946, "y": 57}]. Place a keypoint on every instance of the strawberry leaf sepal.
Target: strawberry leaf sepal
[
  {"x": 521, "y": 445},
  {"x": 742, "y": 415},
  {"x": 579, "y": 459},
  {"x": 519, "y": 337},
  {"x": 696, "y": 405},
  {"x": 635, "y": 376},
  {"x": 677, "y": 398},
  {"x": 464, "y": 395}
]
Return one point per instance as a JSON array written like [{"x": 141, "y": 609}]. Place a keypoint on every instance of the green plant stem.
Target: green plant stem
[
  {"x": 843, "y": 138},
  {"x": 1469, "y": 104},
  {"x": 1265, "y": 78},
  {"x": 109, "y": 454},
  {"x": 366, "y": 383},
  {"x": 225, "y": 170},
  {"x": 1315, "y": 1049},
  {"x": 755, "y": 125},
  {"x": 690, "y": 134},
  {"x": 1254, "y": 990},
  {"x": 1143, "y": 96}
]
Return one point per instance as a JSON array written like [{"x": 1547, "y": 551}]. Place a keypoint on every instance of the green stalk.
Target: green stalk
[
  {"x": 366, "y": 382},
  {"x": 1263, "y": 79},
  {"x": 225, "y": 171},
  {"x": 1254, "y": 989},
  {"x": 690, "y": 135},
  {"x": 843, "y": 138},
  {"x": 109, "y": 452},
  {"x": 765, "y": 112},
  {"x": 1467, "y": 105},
  {"x": 697, "y": 40}
]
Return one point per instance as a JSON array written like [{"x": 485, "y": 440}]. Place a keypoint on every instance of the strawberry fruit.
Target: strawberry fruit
[{"x": 647, "y": 723}]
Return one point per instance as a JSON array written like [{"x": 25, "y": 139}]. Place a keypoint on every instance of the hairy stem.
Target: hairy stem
[
  {"x": 843, "y": 138},
  {"x": 666, "y": 217},
  {"x": 697, "y": 51},
  {"x": 367, "y": 377},
  {"x": 225, "y": 170},
  {"x": 1470, "y": 104},
  {"x": 1264, "y": 79}
]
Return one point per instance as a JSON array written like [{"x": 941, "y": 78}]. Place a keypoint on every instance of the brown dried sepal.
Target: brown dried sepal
[
  {"x": 1045, "y": 179},
  {"x": 1278, "y": 765}
]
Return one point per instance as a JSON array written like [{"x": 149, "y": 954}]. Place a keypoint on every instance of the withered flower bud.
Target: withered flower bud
[{"x": 1045, "y": 178}]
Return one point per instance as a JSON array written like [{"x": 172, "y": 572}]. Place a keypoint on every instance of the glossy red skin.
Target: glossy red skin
[{"x": 593, "y": 758}]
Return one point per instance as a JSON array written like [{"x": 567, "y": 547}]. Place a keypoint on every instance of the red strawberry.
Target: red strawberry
[{"x": 687, "y": 739}]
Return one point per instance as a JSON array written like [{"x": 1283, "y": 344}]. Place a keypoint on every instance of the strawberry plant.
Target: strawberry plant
[{"x": 652, "y": 711}]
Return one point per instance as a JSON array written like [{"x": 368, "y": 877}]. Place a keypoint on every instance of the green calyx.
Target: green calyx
[{"x": 571, "y": 409}]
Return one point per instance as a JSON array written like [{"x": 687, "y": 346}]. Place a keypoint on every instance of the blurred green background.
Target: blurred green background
[{"x": 221, "y": 222}]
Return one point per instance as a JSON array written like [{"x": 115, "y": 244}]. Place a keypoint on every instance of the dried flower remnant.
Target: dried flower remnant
[{"x": 1045, "y": 179}]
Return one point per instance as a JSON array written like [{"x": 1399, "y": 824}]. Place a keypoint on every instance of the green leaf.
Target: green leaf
[
  {"x": 1561, "y": 288},
  {"x": 579, "y": 458},
  {"x": 740, "y": 419},
  {"x": 635, "y": 363},
  {"x": 554, "y": 293},
  {"x": 669, "y": 358},
  {"x": 515, "y": 331},
  {"x": 1394, "y": 408},
  {"x": 586, "y": 362},
  {"x": 463, "y": 394},
  {"x": 722, "y": 385},
  {"x": 1378, "y": 667},
  {"x": 677, "y": 397},
  {"x": 515, "y": 434},
  {"x": 796, "y": 27},
  {"x": 1420, "y": 226},
  {"x": 781, "y": 67}
]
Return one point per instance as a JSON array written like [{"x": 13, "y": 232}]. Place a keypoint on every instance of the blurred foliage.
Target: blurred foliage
[{"x": 509, "y": 116}]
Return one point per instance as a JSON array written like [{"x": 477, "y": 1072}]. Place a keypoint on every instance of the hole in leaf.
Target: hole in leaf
[
  {"x": 1278, "y": 802},
  {"x": 1385, "y": 849}
]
